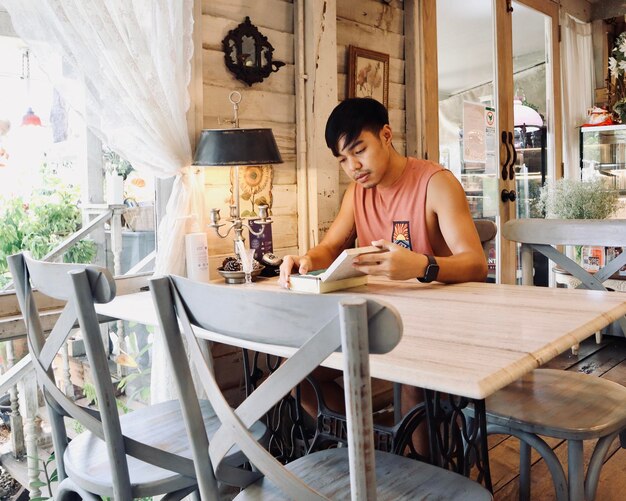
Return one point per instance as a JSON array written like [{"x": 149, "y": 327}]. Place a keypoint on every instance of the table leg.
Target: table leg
[
  {"x": 288, "y": 437},
  {"x": 458, "y": 441}
]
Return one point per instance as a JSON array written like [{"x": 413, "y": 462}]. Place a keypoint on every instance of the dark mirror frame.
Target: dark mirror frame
[{"x": 248, "y": 67}]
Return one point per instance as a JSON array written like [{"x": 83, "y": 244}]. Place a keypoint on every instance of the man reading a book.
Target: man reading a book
[{"x": 414, "y": 209}]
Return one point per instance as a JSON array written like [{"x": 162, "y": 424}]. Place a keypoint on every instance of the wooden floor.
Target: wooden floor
[{"x": 607, "y": 360}]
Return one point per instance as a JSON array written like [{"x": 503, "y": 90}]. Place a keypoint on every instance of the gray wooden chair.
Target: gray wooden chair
[
  {"x": 143, "y": 453},
  {"x": 560, "y": 404},
  {"x": 316, "y": 326},
  {"x": 565, "y": 405},
  {"x": 486, "y": 229}
]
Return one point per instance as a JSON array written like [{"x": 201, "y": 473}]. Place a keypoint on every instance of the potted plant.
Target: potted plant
[
  {"x": 572, "y": 199},
  {"x": 50, "y": 216}
]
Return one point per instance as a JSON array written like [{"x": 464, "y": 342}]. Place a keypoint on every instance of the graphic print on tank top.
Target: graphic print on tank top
[{"x": 401, "y": 234}]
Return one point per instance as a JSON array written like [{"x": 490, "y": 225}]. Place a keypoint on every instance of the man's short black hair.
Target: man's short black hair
[{"x": 351, "y": 117}]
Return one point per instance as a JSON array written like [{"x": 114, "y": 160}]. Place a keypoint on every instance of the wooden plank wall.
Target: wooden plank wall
[
  {"x": 374, "y": 25},
  {"x": 270, "y": 103},
  {"x": 370, "y": 24}
]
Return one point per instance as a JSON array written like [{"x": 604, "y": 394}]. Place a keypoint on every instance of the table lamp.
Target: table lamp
[{"x": 235, "y": 147}]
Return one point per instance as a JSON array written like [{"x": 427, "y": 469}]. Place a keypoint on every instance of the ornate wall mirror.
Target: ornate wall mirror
[{"x": 248, "y": 54}]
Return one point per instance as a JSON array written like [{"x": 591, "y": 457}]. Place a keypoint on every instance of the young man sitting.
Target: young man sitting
[{"x": 414, "y": 209}]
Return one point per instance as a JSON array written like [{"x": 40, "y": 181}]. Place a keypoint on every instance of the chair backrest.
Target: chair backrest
[
  {"x": 486, "y": 229},
  {"x": 81, "y": 286},
  {"x": 315, "y": 325}
]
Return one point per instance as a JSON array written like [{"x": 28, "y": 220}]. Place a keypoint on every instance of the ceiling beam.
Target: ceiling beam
[
  {"x": 607, "y": 9},
  {"x": 580, "y": 9}
]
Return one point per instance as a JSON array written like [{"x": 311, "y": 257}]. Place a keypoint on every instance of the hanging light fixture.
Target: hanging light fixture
[
  {"x": 30, "y": 118},
  {"x": 524, "y": 115}
]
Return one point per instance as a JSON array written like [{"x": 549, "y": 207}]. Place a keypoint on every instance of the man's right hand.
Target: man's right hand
[{"x": 290, "y": 264}]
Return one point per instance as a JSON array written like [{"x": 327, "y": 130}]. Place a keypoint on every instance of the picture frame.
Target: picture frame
[{"x": 368, "y": 74}]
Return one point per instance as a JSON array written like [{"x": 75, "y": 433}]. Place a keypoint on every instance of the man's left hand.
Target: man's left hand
[{"x": 398, "y": 263}]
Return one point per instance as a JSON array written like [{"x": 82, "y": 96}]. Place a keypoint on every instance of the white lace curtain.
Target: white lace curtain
[
  {"x": 126, "y": 68},
  {"x": 577, "y": 77}
]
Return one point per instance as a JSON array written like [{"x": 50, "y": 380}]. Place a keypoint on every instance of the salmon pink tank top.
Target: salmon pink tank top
[{"x": 398, "y": 212}]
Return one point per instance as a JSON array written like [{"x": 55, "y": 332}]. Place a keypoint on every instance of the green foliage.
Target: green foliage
[
  {"x": 139, "y": 374},
  {"x": 89, "y": 390},
  {"x": 50, "y": 477},
  {"x": 38, "y": 226},
  {"x": 571, "y": 199},
  {"x": 114, "y": 163}
]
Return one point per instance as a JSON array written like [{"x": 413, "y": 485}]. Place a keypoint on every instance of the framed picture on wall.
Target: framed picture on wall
[{"x": 368, "y": 74}]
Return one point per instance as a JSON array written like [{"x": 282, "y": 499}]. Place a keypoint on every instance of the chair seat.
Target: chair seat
[
  {"x": 160, "y": 425},
  {"x": 397, "y": 478},
  {"x": 557, "y": 403}
]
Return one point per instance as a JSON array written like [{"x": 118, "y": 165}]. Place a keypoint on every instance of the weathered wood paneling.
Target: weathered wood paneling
[
  {"x": 270, "y": 103},
  {"x": 373, "y": 13},
  {"x": 272, "y": 106},
  {"x": 374, "y": 25},
  {"x": 369, "y": 37},
  {"x": 274, "y": 14}
]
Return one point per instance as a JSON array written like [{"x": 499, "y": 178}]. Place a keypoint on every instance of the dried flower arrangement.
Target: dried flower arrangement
[{"x": 573, "y": 199}]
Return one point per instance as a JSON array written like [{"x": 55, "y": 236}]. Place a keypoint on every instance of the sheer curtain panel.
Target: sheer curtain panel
[
  {"x": 577, "y": 77},
  {"x": 126, "y": 68}
]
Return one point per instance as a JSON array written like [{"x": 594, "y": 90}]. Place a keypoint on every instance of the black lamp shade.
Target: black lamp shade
[{"x": 229, "y": 147}]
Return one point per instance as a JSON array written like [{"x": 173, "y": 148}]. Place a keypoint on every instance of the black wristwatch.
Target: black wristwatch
[{"x": 431, "y": 271}]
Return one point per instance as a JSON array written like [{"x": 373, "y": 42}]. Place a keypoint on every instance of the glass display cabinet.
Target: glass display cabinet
[{"x": 603, "y": 152}]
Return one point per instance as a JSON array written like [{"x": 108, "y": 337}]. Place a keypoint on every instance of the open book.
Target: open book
[{"x": 339, "y": 275}]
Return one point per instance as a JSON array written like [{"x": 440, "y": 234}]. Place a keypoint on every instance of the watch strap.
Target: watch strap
[{"x": 431, "y": 271}]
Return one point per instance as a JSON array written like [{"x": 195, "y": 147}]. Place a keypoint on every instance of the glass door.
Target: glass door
[
  {"x": 495, "y": 71},
  {"x": 534, "y": 113},
  {"x": 467, "y": 98}
]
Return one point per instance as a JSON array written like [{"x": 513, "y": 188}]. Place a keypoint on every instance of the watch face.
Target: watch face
[{"x": 431, "y": 271}]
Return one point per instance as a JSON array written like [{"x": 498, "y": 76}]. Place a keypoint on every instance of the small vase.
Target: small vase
[{"x": 115, "y": 189}]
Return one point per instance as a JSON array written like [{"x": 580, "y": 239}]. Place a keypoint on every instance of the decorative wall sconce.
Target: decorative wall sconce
[{"x": 248, "y": 54}]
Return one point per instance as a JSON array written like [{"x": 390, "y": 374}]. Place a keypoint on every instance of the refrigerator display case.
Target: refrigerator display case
[{"x": 603, "y": 153}]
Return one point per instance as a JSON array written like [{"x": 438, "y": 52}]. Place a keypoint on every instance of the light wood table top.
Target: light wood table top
[{"x": 468, "y": 339}]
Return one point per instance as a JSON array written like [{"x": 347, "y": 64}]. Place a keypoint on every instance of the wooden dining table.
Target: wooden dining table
[
  {"x": 545, "y": 235},
  {"x": 466, "y": 340}
]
